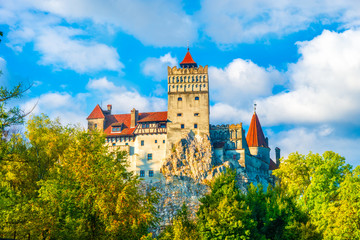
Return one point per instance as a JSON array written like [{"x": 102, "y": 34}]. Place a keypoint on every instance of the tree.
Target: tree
[
  {"x": 276, "y": 215},
  {"x": 181, "y": 228},
  {"x": 319, "y": 184},
  {"x": 223, "y": 213},
  {"x": 71, "y": 186}
]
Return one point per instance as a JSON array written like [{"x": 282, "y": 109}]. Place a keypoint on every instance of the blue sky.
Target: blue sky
[{"x": 300, "y": 62}]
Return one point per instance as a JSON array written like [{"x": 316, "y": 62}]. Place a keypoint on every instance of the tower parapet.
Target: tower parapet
[{"x": 193, "y": 79}]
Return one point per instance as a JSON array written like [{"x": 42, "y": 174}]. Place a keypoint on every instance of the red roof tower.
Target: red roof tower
[
  {"x": 188, "y": 61},
  {"x": 255, "y": 136},
  {"x": 96, "y": 113}
]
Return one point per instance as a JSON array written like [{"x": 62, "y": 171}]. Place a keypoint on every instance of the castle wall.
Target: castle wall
[
  {"x": 97, "y": 123},
  {"x": 138, "y": 154}
]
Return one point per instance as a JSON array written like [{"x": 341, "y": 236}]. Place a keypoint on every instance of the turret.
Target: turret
[
  {"x": 256, "y": 140},
  {"x": 96, "y": 119}
]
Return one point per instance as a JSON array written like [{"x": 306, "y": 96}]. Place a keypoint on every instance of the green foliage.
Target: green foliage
[
  {"x": 64, "y": 183},
  {"x": 326, "y": 189},
  {"x": 223, "y": 213},
  {"x": 226, "y": 213},
  {"x": 182, "y": 227},
  {"x": 277, "y": 216},
  {"x": 13, "y": 115}
]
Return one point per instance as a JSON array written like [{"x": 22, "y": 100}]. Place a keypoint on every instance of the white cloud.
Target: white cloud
[
  {"x": 157, "y": 67},
  {"x": 62, "y": 47},
  {"x": 157, "y": 23},
  {"x": 100, "y": 84},
  {"x": 324, "y": 83},
  {"x": 123, "y": 99},
  {"x": 63, "y": 105},
  {"x": 59, "y": 48},
  {"x": 306, "y": 139},
  {"x": 234, "y": 21},
  {"x": 241, "y": 81},
  {"x": 222, "y": 113}
]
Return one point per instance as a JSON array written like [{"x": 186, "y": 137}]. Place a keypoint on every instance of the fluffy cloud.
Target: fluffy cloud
[
  {"x": 62, "y": 47},
  {"x": 157, "y": 67},
  {"x": 324, "y": 83},
  {"x": 123, "y": 99},
  {"x": 100, "y": 84},
  {"x": 59, "y": 48},
  {"x": 246, "y": 21},
  {"x": 317, "y": 139},
  {"x": 59, "y": 105},
  {"x": 159, "y": 23},
  {"x": 247, "y": 80}
]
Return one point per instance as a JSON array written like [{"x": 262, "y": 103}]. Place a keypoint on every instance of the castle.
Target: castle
[{"x": 149, "y": 137}]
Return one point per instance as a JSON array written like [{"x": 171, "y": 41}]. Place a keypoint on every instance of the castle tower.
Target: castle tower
[
  {"x": 96, "y": 119},
  {"x": 188, "y": 100},
  {"x": 258, "y": 144}
]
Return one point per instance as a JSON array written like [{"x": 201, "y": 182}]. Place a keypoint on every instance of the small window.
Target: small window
[
  {"x": 114, "y": 144},
  {"x": 182, "y": 126},
  {"x": 149, "y": 156},
  {"x": 151, "y": 173},
  {"x": 179, "y": 114},
  {"x": 163, "y": 141},
  {"x": 126, "y": 144},
  {"x": 196, "y": 114},
  {"x": 142, "y": 142},
  {"x": 115, "y": 129},
  {"x": 155, "y": 141},
  {"x": 147, "y": 125},
  {"x": 95, "y": 125},
  {"x": 196, "y": 98},
  {"x": 195, "y": 125},
  {"x": 143, "y": 125},
  {"x": 162, "y": 125},
  {"x": 142, "y": 173},
  {"x": 179, "y": 99}
]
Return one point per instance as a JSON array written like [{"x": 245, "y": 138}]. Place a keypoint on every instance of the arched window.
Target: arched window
[
  {"x": 196, "y": 98},
  {"x": 179, "y": 99}
]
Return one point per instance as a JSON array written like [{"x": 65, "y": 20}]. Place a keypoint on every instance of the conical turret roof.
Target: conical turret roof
[
  {"x": 188, "y": 61},
  {"x": 255, "y": 136}
]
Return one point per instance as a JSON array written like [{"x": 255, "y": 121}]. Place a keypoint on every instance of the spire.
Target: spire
[
  {"x": 255, "y": 136},
  {"x": 96, "y": 113},
  {"x": 188, "y": 61}
]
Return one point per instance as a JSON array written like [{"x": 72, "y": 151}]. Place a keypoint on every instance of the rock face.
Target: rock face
[{"x": 187, "y": 172}]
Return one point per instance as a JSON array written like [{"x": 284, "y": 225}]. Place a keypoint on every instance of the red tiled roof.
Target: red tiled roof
[
  {"x": 255, "y": 136},
  {"x": 188, "y": 59},
  {"x": 96, "y": 113},
  {"x": 125, "y": 120},
  {"x": 272, "y": 165},
  {"x": 153, "y": 117}
]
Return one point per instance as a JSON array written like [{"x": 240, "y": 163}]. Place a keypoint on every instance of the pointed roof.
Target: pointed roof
[
  {"x": 188, "y": 61},
  {"x": 96, "y": 113},
  {"x": 255, "y": 136}
]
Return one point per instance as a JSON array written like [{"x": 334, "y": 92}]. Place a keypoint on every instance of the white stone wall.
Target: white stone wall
[{"x": 138, "y": 155}]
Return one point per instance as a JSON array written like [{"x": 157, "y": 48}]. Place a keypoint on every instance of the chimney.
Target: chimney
[
  {"x": 134, "y": 117},
  {"x": 109, "y": 107},
  {"x": 277, "y": 156},
  {"x": 267, "y": 141}
]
